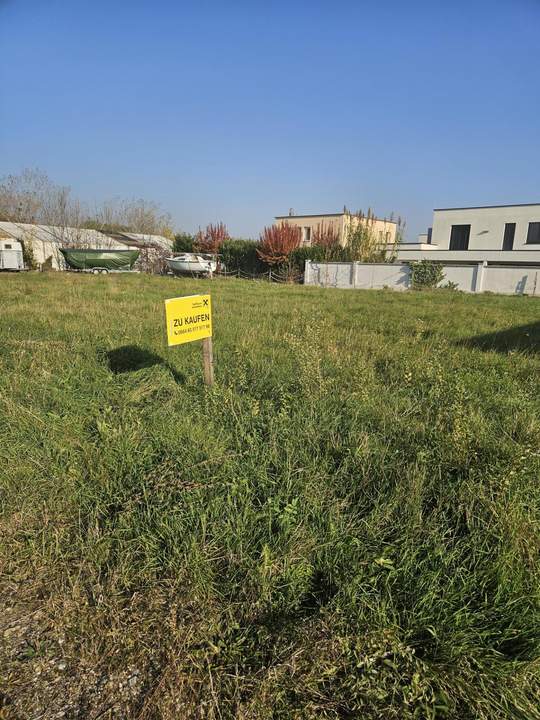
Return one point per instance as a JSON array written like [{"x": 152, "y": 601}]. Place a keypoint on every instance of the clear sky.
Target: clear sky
[{"x": 237, "y": 111}]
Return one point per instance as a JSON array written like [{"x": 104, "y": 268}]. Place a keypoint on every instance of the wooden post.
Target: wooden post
[{"x": 208, "y": 361}]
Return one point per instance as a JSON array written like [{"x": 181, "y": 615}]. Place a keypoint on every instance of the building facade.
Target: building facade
[
  {"x": 508, "y": 234},
  {"x": 385, "y": 231}
]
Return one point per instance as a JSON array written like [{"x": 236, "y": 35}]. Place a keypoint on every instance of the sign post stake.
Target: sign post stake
[
  {"x": 190, "y": 318},
  {"x": 208, "y": 361}
]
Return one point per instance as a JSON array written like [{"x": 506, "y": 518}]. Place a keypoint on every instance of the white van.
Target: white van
[{"x": 11, "y": 255}]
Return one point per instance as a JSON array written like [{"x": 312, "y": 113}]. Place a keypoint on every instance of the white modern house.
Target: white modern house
[
  {"x": 494, "y": 234},
  {"x": 481, "y": 249},
  {"x": 494, "y": 248}
]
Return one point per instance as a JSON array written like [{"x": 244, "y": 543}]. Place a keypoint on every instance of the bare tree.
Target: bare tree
[
  {"x": 31, "y": 197},
  {"x": 22, "y": 196},
  {"x": 145, "y": 219},
  {"x": 148, "y": 218},
  {"x": 137, "y": 216}
]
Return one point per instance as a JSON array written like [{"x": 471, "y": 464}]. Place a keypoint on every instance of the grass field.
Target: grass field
[{"x": 347, "y": 525}]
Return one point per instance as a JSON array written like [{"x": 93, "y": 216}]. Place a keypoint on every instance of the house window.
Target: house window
[
  {"x": 459, "y": 237},
  {"x": 429, "y": 235},
  {"x": 307, "y": 236},
  {"x": 533, "y": 234},
  {"x": 380, "y": 236},
  {"x": 387, "y": 236},
  {"x": 7, "y": 247},
  {"x": 509, "y": 232}
]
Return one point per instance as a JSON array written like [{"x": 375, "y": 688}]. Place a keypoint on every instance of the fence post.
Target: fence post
[
  {"x": 407, "y": 268},
  {"x": 307, "y": 273},
  {"x": 208, "y": 361},
  {"x": 479, "y": 280}
]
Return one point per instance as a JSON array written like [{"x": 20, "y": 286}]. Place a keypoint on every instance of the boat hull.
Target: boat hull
[
  {"x": 191, "y": 264},
  {"x": 101, "y": 259}
]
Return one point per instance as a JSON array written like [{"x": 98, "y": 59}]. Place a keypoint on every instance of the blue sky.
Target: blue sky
[{"x": 237, "y": 111}]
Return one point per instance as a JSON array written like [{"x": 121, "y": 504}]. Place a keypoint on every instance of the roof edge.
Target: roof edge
[
  {"x": 315, "y": 215},
  {"x": 487, "y": 207}
]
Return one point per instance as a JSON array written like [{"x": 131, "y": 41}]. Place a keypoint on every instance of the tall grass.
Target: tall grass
[{"x": 346, "y": 526}]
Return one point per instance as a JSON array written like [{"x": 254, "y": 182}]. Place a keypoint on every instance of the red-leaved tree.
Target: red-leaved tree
[
  {"x": 212, "y": 238},
  {"x": 277, "y": 242},
  {"x": 326, "y": 236}
]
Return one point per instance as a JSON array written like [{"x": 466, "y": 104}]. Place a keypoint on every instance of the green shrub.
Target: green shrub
[
  {"x": 426, "y": 274},
  {"x": 358, "y": 249},
  {"x": 319, "y": 253},
  {"x": 183, "y": 242},
  {"x": 242, "y": 255},
  {"x": 362, "y": 244},
  {"x": 29, "y": 258},
  {"x": 450, "y": 286},
  {"x": 299, "y": 256}
]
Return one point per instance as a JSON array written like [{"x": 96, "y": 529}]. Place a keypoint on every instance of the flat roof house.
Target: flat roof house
[
  {"x": 385, "y": 230},
  {"x": 495, "y": 234}
]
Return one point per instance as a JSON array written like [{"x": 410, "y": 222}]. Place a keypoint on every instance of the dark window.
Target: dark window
[
  {"x": 459, "y": 237},
  {"x": 7, "y": 247},
  {"x": 533, "y": 234},
  {"x": 429, "y": 235},
  {"x": 509, "y": 232}
]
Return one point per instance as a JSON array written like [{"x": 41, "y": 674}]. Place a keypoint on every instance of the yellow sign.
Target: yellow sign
[{"x": 188, "y": 318}]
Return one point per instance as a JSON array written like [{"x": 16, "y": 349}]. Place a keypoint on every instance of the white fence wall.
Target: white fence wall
[
  {"x": 381, "y": 275},
  {"x": 476, "y": 277},
  {"x": 332, "y": 274},
  {"x": 508, "y": 280},
  {"x": 466, "y": 277}
]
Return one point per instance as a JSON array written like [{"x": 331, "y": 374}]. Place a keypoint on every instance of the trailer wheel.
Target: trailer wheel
[
  {"x": 104, "y": 271},
  {"x": 95, "y": 271}
]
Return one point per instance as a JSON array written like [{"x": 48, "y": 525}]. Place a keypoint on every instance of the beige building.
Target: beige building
[{"x": 385, "y": 231}]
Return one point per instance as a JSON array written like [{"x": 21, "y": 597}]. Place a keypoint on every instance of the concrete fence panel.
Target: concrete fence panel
[
  {"x": 382, "y": 275},
  {"x": 465, "y": 276},
  {"x": 513, "y": 280},
  {"x": 472, "y": 277},
  {"x": 339, "y": 275}
]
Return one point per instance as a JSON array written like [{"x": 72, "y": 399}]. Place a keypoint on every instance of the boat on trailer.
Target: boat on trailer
[
  {"x": 192, "y": 264},
  {"x": 100, "y": 260}
]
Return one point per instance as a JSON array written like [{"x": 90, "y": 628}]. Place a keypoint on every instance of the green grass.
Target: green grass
[{"x": 345, "y": 526}]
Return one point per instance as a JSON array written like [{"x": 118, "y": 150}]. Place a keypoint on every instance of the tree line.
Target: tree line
[
  {"x": 32, "y": 197},
  {"x": 280, "y": 246}
]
